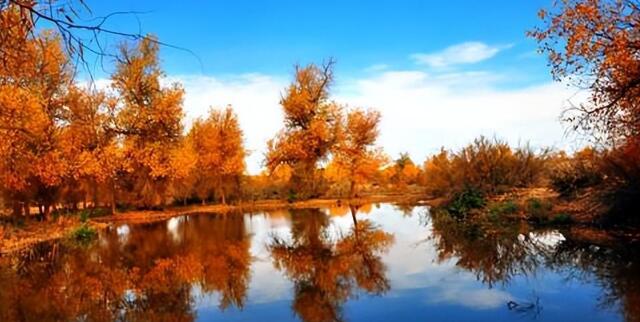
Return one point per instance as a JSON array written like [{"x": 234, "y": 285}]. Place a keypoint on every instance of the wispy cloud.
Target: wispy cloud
[{"x": 464, "y": 53}]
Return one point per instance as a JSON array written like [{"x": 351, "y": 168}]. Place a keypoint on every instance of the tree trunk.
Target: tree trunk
[
  {"x": 17, "y": 208},
  {"x": 354, "y": 210},
  {"x": 47, "y": 211},
  {"x": 352, "y": 189},
  {"x": 27, "y": 210},
  {"x": 113, "y": 198}
]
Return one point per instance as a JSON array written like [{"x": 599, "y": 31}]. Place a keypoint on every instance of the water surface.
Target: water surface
[{"x": 375, "y": 263}]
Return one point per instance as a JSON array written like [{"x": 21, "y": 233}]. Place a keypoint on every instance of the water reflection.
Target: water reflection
[
  {"x": 494, "y": 253},
  {"x": 499, "y": 253},
  {"x": 142, "y": 274},
  {"x": 327, "y": 270},
  {"x": 345, "y": 264}
]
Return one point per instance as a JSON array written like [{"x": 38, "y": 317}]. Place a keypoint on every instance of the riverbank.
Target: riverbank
[
  {"x": 30, "y": 232},
  {"x": 15, "y": 237}
]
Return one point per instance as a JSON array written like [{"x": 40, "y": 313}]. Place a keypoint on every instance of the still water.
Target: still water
[{"x": 375, "y": 263}]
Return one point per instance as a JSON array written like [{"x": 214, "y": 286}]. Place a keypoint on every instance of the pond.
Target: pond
[{"x": 375, "y": 263}]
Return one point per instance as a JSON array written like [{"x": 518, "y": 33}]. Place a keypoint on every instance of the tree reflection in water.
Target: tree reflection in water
[
  {"x": 151, "y": 277},
  {"x": 588, "y": 253},
  {"x": 328, "y": 269},
  {"x": 498, "y": 252}
]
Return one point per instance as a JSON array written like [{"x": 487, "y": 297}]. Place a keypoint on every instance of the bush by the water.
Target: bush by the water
[
  {"x": 538, "y": 210},
  {"x": 612, "y": 177},
  {"x": 465, "y": 201},
  {"x": 569, "y": 175},
  {"x": 499, "y": 209},
  {"x": 488, "y": 166},
  {"x": 620, "y": 189},
  {"x": 83, "y": 234}
]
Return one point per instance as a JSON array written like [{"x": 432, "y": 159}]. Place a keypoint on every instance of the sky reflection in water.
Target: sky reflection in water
[{"x": 386, "y": 263}]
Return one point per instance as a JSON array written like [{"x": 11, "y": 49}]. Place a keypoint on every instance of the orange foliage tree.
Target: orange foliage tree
[
  {"x": 218, "y": 141},
  {"x": 149, "y": 121},
  {"x": 90, "y": 146},
  {"x": 596, "y": 44},
  {"x": 310, "y": 126},
  {"x": 355, "y": 152},
  {"x": 34, "y": 83}
]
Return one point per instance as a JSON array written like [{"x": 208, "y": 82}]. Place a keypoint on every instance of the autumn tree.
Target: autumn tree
[
  {"x": 34, "y": 83},
  {"x": 310, "y": 121},
  {"x": 218, "y": 141},
  {"x": 355, "y": 151},
  {"x": 596, "y": 44},
  {"x": 91, "y": 149},
  {"x": 403, "y": 172},
  {"x": 149, "y": 121}
]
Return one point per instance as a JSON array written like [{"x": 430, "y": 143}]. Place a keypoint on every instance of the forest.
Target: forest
[{"x": 70, "y": 147}]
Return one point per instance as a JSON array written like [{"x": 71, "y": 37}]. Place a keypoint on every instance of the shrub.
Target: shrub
[
  {"x": 84, "y": 215},
  {"x": 561, "y": 219},
  {"x": 490, "y": 166},
  {"x": 292, "y": 196},
  {"x": 620, "y": 189},
  {"x": 612, "y": 176},
  {"x": 538, "y": 210},
  {"x": 83, "y": 234},
  {"x": 504, "y": 208},
  {"x": 465, "y": 201},
  {"x": 570, "y": 175}
]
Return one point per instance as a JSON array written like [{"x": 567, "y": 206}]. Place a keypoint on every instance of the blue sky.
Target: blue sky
[
  {"x": 270, "y": 36},
  {"x": 441, "y": 73}
]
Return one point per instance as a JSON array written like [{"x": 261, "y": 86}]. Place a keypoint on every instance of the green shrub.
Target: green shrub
[
  {"x": 538, "y": 210},
  {"x": 508, "y": 207},
  {"x": 292, "y": 196},
  {"x": 465, "y": 201},
  {"x": 503, "y": 208},
  {"x": 84, "y": 215},
  {"x": 561, "y": 219},
  {"x": 83, "y": 234}
]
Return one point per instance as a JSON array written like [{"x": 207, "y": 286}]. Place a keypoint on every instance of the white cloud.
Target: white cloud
[
  {"x": 464, "y": 53},
  {"x": 422, "y": 112},
  {"x": 255, "y": 98}
]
